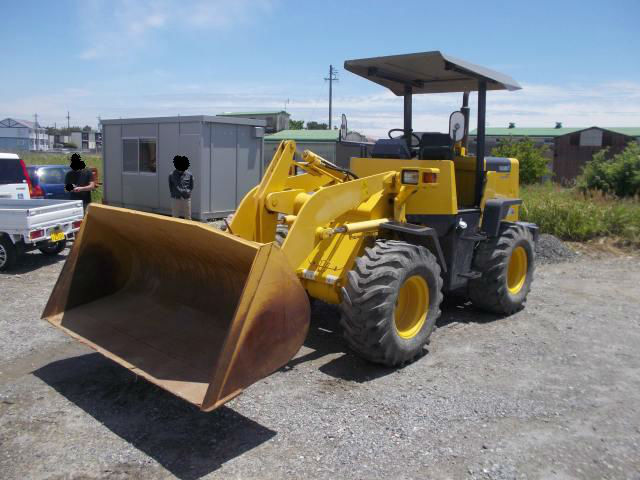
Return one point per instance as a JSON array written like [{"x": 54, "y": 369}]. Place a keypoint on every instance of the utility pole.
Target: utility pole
[
  {"x": 36, "y": 127},
  {"x": 333, "y": 77},
  {"x": 68, "y": 121}
]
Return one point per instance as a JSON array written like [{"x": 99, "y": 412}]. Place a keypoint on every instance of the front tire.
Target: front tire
[
  {"x": 507, "y": 263},
  {"x": 8, "y": 253},
  {"x": 391, "y": 302},
  {"x": 53, "y": 248}
]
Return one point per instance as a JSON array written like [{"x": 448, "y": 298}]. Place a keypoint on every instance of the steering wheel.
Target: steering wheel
[{"x": 413, "y": 135}]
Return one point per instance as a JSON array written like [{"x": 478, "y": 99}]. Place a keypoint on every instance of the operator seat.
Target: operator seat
[
  {"x": 390, "y": 148},
  {"x": 435, "y": 146}
]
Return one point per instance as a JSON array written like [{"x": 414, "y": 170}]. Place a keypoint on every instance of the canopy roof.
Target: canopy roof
[{"x": 428, "y": 72}]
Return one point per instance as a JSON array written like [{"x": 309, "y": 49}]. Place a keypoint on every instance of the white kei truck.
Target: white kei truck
[
  {"x": 36, "y": 224},
  {"x": 29, "y": 224}
]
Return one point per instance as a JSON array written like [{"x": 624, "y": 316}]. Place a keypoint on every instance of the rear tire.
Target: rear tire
[
  {"x": 507, "y": 264},
  {"x": 391, "y": 302},
  {"x": 8, "y": 253},
  {"x": 53, "y": 248}
]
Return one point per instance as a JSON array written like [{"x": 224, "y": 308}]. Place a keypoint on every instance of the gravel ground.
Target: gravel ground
[
  {"x": 551, "y": 392},
  {"x": 550, "y": 249}
]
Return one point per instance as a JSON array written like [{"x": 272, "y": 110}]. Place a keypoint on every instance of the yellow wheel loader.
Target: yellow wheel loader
[{"x": 205, "y": 313}]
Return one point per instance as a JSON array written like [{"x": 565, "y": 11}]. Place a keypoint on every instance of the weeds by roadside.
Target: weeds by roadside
[{"x": 572, "y": 215}]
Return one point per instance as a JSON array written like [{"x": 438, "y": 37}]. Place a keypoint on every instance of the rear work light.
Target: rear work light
[
  {"x": 429, "y": 177},
  {"x": 76, "y": 224},
  {"x": 36, "y": 234},
  {"x": 410, "y": 177}
]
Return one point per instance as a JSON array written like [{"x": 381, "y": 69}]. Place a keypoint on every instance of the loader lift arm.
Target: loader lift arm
[{"x": 316, "y": 202}]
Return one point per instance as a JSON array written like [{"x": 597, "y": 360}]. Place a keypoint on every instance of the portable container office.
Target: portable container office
[{"x": 225, "y": 156}]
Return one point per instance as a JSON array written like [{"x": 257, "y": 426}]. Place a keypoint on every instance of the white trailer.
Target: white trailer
[{"x": 36, "y": 224}]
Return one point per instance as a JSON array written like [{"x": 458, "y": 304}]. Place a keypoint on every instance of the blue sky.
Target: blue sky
[{"x": 578, "y": 61}]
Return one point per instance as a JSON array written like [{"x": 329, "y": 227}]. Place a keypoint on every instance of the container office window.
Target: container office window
[
  {"x": 139, "y": 155},
  {"x": 130, "y": 155},
  {"x": 147, "y": 155}
]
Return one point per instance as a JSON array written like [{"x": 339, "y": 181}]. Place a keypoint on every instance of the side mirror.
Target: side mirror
[
  {"x": 456, "y": 126},
  {"x": 343, "y": 128}
]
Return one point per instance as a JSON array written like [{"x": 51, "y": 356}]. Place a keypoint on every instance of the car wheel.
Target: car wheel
[{"x": 8, "y": 253}]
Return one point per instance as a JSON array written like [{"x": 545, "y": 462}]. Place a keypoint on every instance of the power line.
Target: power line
[{"x": 333, "y": 77}]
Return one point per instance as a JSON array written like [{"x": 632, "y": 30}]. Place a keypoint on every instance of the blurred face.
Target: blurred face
[
  {"x": 180, "y": 162},
  {"x": 76, "y": 162}
]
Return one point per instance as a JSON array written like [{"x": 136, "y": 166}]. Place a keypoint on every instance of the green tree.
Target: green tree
[
  {"x": 296, "y": 124},
  {"x": 317, "y": 126},
  {"x": 619, "y": 175},
  {"x": 533, "y": 159}
]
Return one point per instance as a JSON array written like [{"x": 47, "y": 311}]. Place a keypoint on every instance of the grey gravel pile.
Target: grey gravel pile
[{"x": 551, "y": 249}]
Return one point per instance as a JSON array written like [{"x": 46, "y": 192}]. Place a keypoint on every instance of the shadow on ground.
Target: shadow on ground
[
  {"x": 325, "y": 338},
  {"x": 32, "y": 261},
  {"x": 459, "y": 310},
  {"x": 187, "y": 442},
  {"x": 190, "y": 443}
]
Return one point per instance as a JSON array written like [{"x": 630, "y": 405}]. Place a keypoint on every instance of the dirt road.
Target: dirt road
[{"x": 551, "y": 392}]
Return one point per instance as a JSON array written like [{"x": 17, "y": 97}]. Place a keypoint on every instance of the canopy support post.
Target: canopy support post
[
  {"x": 482, "y": 112},
  {"x": 408, "y": 97},
  {"x": 465, "y": 112}
]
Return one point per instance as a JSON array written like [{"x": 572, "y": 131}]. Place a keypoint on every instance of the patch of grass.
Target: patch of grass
[
  {"x": 572, "y": 215},
  {"x": 92, "y": 160}
]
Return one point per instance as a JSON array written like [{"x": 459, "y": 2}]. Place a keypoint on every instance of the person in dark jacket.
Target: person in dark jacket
[
  {"x": 79, "y": 181},
  {"x": 180, "y": 187}
]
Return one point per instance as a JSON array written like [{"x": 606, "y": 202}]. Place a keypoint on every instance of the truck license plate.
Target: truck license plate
[{"x": 57, "y": 236}]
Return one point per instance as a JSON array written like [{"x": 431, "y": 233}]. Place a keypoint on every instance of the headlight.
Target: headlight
[{"x": 410, "y": 177}]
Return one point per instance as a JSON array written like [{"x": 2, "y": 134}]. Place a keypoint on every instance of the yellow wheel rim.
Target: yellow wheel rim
[
  {"x": 411, "y": 307},
  {"x": 517, "y": 271}
]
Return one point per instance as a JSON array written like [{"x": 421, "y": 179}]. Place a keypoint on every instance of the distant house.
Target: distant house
[
  {"x": 539, "y": 136},
  {"x": 569, "y": 148},
  {"x": 321, "y": 142},
  {"x": 276, "y": 121},
  {"x": 58, "y": 140},
  {"x": 20, "y": 135},
  {"x": 573, "y": 150},
  {"x": 87, "y": 140}
]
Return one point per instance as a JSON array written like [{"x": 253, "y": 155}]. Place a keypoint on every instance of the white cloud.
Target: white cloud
[
  {"x": 606, "y": 104},
  {"x": 119, "y": 28}
]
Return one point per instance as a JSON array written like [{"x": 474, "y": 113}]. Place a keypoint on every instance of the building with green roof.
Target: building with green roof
[
  {"x": 569, "y": 148},
  {"x": 325, "y": 143},
  {"x": 304, "y": 136},
  {"x": 276, "y": 120}
]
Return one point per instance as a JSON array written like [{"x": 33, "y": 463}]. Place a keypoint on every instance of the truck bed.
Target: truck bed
[{"x": 16, "y": 216}]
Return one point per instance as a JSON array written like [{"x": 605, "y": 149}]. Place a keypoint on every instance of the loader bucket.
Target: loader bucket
[{"x": 199, "y": 312}]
